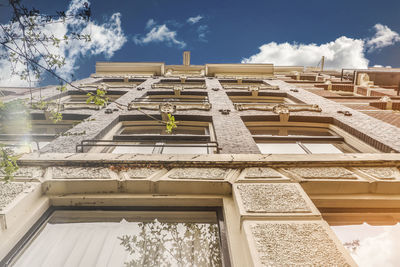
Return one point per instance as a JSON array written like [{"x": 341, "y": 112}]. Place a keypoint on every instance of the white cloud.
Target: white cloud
[
  {"x": 202, "y": 30},
  {"x": 150, "y": 23},
  {"x": 106, "y": 39},
  {"x": 159, "y": 34},
  {"x": 381, "y": 66},
  {"x": 194, "y": 20},
  {"x": 343, "y": 52},
  {"x": 380, "y": 250},
  {"x": 383, "y": 37}
]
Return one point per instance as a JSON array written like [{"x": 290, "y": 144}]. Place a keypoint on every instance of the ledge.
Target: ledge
[{"x": 214, "y": 160}]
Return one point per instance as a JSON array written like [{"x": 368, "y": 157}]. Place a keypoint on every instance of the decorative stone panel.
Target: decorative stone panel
[
  {"x": 27, "y": 172},
  {"x": 81, "y": 173},
  {"x": 294, "y": 244},
  {"x": 199, "y": 173},
  {"x": 271, "y": 198},
  {"x": 382, "y": 173},
  {"x": 323, "y": 173},
  {"x": 139, "y": 173},
  {"x": 253, "y": 173},
  {"x": 10, "y": 191}
]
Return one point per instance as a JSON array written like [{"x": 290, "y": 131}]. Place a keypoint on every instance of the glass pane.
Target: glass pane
[
  {"x": 182, "y": 129},
  {"x": 323, "y": 148},
  {"x": 289, "y": 131},
  {"x": 371, "y": 245},
  {"x": 280, "y": 148},
  {"x": 185, "y": 150},
  {"x": 133, "y": 149},
  {"x": 125, "y": 238}
]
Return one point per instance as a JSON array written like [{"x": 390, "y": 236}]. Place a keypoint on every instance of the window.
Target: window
[
  {"x": 115, "y": 83},
  {"x": 304, "y": 138},
  {"x": 25, "y": 136},
  {"x": 139, "y": 135},
  {"x": 260, "y": 98},
  {"x": 136, "y": 237},
  {"x": 372, "y": 238},
  {"x": 246, "y": 85},
  {"x": 77, "y": 99}
]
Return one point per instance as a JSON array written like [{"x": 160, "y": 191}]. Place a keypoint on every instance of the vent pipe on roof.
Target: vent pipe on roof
[
  {"x": 322, "y": 63},
  {"x": 186, "y": 58}
]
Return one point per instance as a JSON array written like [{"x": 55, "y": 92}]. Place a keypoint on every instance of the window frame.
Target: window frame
[
  {"x": 41, "y": 222},
  {"x": 158, "y": 141},
  {"x": 343, "y": 140}
]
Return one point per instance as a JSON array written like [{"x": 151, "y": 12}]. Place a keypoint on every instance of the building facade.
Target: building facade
[{"x": 264, "y": 162}]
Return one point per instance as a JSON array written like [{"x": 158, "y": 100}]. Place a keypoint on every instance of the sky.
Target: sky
[{"x": 350, "y": 34}]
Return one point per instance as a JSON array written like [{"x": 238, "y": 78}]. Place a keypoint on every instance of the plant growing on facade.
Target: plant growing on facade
[
  {"x": 172, "y": 244},
  {"x": 31, "y": 50}
]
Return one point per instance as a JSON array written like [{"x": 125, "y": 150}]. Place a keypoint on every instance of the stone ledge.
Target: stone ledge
[{"x": 212, "y": 160}]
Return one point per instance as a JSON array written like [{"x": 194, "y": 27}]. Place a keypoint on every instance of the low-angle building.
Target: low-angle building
[{"x": 264, "y": 166}]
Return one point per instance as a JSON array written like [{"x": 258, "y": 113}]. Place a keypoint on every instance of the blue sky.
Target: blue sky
[{"x": 231, "y": 31}]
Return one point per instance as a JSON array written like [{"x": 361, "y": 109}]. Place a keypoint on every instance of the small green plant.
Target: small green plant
[
  {"x": 8, "y": 163},
  {"x": 170, "y": 125},
  {"x": 99, "y": 99},
  {"x": 62, "y": 88},
  {"x": 55, "y": 116},
  {"x": 42, "y": 105}
]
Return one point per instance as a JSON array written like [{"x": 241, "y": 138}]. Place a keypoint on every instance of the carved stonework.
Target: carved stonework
[
  {"x": 169, "y": 107},
  {"x": 27, "y": 172},
  {"x": 140, "y": 173},
  {"x": 278, "y": 108},
  {"x": 295, "y": 244},
  {"x": 385, "y": 99},
  {"x": 250, "y": 87},
  {"x": 323, "y": 173},
  {"x": 282, "y": 109},
  {"x": 172, "y": 86},
  {"x": 80, "y": 173},
  {"x": 199, "y": 173},
  {"x": 117, "y": 85},
  {"x": 382, "y": 173},
  {"x": 272, "y": 198},
  {"x": 10, "y": 191},
  {"x": 262, "y": 173}
]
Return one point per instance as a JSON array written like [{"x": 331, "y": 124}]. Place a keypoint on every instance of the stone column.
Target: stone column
[{"x": 280, "y": 224}]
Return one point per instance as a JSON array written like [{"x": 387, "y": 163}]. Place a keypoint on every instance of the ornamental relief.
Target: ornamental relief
[
  {"x": 381, "y": 173},
  {"x": 322, "y": 173},
  {"x": 199, "y": 173},
  {"x": 80, "y": 173},
  {"x": 272, "y": 198},
  {"x": 27, "y": 172},
  {"x": 168, "y": 107},
  {"x": 10, "y": 191},
  {"x": 261, "y": 173},
  {"x": 139, "y": 173},
  {"x": 277, "y": 244}
]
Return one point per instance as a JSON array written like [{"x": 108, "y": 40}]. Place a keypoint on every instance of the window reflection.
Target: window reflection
[
  {"x": 125, "y": 238},
  {"x": 371, "y": 245}
]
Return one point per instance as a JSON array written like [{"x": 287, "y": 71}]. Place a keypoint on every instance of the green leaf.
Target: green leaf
[
  {"x": 8, "y": 163},
  {"x": 170, "y": 125}
]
